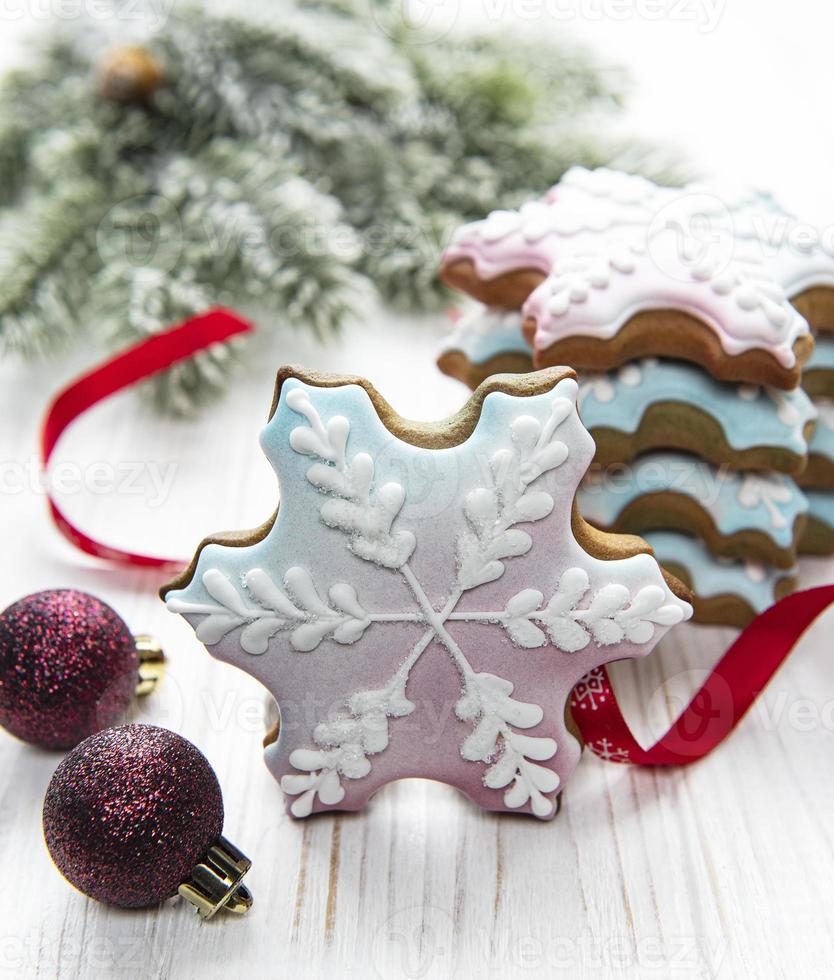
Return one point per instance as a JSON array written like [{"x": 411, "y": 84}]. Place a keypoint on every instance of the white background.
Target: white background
[{"x": 723, "y": 869}]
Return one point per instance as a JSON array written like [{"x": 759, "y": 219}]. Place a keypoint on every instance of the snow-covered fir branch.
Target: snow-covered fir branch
[{"x": 308, "y": 161}]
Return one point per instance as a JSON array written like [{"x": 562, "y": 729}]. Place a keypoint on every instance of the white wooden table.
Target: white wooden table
[{"x": 720, "y": 870}]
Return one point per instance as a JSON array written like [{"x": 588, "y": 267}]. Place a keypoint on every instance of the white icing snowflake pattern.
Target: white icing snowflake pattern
[
  {"x": 756, "y": 489},
  {"x": 581, "y": 273},
  {"x": 602, "y": 386},
  {"x": 749, "y": 284},
  {"x": 585, "y": 201},
  {"x": 617, "y": 186},
  {"x": 825, "y": 413},
  {"x": 786, "y": 409},
  {"x": 573, "y": 616},
  {"x": 536, "y": 220}
]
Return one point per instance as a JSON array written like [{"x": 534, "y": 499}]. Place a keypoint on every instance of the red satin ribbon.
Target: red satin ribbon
[
  {"x": 714, "y": 711},
  {"x": 734, "y": 684},
  {"x": 135, "y": 364}
]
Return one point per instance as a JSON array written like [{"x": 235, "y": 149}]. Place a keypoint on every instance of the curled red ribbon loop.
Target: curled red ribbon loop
[
  {"x": 714, "y": 711},
  {"x": 135, "y": 364},
  {"x": 718, "y": 706}
]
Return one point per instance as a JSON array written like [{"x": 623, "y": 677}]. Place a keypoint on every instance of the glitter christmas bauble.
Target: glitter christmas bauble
[
  {"x": 130, "y": 812},
  {"x": 68, "y": 668}
]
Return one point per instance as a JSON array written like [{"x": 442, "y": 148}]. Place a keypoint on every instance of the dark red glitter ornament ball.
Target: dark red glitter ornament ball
[
  {"x": 130, "y": 812},
  {"x": 68, "y": 668}
]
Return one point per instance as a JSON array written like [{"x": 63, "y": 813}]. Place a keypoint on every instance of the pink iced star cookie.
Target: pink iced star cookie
[{"x": 608, "y": 267}]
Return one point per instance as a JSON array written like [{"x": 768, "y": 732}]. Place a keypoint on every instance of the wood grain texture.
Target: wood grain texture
[{"x": 718, "y": 870}]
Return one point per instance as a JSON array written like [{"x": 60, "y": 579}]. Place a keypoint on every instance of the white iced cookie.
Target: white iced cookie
[
  {"x": 606, "y": 305},
  {"x": 725, "y": 592},
  {"x": 747, "y": 516},
  {"x": 424, "y": 572}
]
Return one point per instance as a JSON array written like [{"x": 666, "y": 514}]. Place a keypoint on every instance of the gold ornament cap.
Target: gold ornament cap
[
  {"x": 216, "y": 883},
  {"x": 151, "y": 664}
]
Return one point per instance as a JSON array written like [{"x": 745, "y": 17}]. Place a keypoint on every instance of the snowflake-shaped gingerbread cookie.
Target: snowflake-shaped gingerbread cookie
[{"x": 427, "y": 596}]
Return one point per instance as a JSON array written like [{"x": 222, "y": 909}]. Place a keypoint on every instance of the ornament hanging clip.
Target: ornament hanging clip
[
  {"x": 217, "y": 882},
  {"x": 151, "y": 664}
]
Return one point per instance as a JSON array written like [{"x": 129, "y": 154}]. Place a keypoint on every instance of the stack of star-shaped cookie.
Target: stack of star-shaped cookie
[
  {"x": 817, "y": 479},
  {"x": 690, "y": 353}
]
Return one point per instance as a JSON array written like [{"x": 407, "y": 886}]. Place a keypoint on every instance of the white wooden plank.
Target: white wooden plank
[{"x": 722, "y": 869}]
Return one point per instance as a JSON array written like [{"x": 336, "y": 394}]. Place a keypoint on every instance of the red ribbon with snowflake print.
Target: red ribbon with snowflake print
[
  {"x": 720, "y": 704},
  {"x": 135, "y": 364}
]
